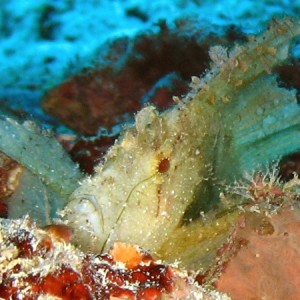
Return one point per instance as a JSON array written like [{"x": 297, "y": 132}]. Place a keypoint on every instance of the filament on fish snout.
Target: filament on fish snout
[
  {"x": 125, "y": 206},
  {"x": 162, "y": 167}
]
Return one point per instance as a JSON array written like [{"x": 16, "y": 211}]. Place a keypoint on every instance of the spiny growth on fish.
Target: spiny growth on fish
[
  {"x": 168, "y": 169},
  {"x": 235, "y": 119}
]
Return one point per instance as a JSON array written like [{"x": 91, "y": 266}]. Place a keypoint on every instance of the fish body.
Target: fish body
[{"x": 234, "y": 120}]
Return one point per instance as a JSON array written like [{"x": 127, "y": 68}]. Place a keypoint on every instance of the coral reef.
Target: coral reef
[
  {"x": 37, "y": 263},
  {"x": 160, "y": 186},
  {"x": 43, "y": 42}
]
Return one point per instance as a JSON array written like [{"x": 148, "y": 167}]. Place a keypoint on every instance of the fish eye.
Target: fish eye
[{"x": 164, "y": 165}]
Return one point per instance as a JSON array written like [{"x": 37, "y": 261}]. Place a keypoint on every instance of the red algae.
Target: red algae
[
  {"x": 289, "y": 166},
  {"x": 99, "y": 277},
  {"x": 3, "y": 210},
  {"x": 151, "y": 68},
  {"x": 88, "y": 152},
  {"x": 35, "y": 263}
]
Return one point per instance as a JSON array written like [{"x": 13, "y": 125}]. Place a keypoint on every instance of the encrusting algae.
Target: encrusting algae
[
  {"x": 161, "y": 185},
  {"x": 36, "y": 264}
]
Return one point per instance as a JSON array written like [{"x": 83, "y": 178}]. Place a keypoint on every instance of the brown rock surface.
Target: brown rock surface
[{"x": 263, "y": 264}]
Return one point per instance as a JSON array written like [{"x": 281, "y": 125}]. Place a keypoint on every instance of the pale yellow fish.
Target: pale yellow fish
[{"x": 169, "y": 167}]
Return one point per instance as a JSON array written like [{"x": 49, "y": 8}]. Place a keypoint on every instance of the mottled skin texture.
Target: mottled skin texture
[{"x": 213, "y": 135}]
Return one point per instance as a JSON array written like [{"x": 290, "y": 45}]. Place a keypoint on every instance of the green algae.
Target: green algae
[{"x": 50, "y": 175}]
